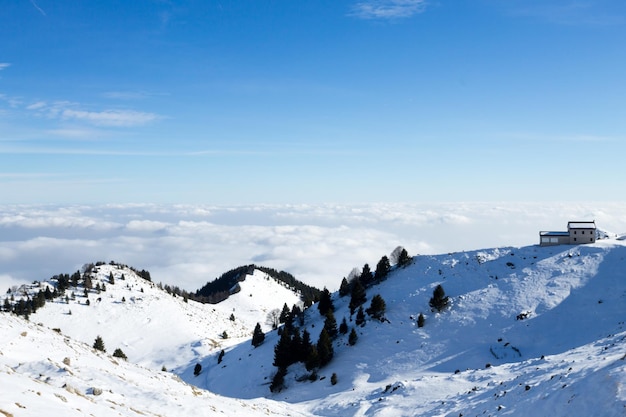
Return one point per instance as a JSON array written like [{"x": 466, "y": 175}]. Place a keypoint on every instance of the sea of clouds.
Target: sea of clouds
[{"x": 189, "y": 245}]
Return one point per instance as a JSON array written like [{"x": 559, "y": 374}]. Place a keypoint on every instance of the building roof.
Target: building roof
[
  {"x": 581, "y": 225},
  {"x": 554, "y": 233}
]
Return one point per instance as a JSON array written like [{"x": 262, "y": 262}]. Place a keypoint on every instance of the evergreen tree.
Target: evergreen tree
[
  {"x": 220, "y": 357},
  {"x": 353, "y": 337},
  {"x": 366, "y": 276},
  {"x": 333, "y": 379},
  {"x": 343, "y": 327},
  {"x": 420, "y": 320},
  {"x": 278, "y": 381},
  {"x": 439, "y": 300},
  {"x": 118, "y": 353},
  {"x": 232, "y": 317},
  {"x": 382, "y": 269},
  {"x": 305, "y": 347},
  {"x": 330, "y": 324},
  {"x": 258, "y": 337},
  {"x": 357, "y": 296},
  {"x": 98, "y": 344},
  {"x": 312, "y": 359},
  {"x": 325, "y": 348},
  {"x": 284, "y": 315},
  {"x": 111, "y": 278},
  {"x": 377, "y": 307},
  {"x": 360, "y": 317},
  {"x": 404, "y": 259},
  {"x": 296, "y": 345},
  {"x": 326, "y": 303},
  {"x": 197, "y": 369},
  {"x": 344, "y": 288},
  {"x": 283, "y": 355}
]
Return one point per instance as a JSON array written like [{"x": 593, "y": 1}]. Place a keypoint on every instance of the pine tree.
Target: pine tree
[
  {"x": 98, "y": 344},
  {"x": 220, "y": 357},
  {"x": 382, "y": 269},
  {"x": 284, "y": 314},
  {"x": 111, "y": 278},
  {"x": 377, "y": 307},
  {"x": 343, "y": 327},
  {"x": 278, "y": 381},
  {"x": 366, "y": 276},
  {"x": 119, "y": 353},
  {"x": 312, "y": 359},
  {"x": 353, "y": 337},
  {"x": 197, "y": 369},
  {"x": 258, "y": 337},
  {"x": 326, "y": 303},
  {"x": 344, "y": 288},
  {"x": 283, "y": 355},
  {"x": 420, "y": 320},
  {"x": 439, "y": 300},
  {"x": 330, "y": 324},
  {"x": 305, "y": 347},
  {"x": 325, "y": 348},
  {"x": 357, "y": 296},
  {"x": 333, "y": 379},
  {"x": 360, "y": 317},
  {"x": 404, "y": 259}
]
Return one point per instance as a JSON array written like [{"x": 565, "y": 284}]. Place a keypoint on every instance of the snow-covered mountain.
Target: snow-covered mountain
[
  {"x": 528, "y": 331},
  {"x": 156, "y": 329},
  {"x": 44, "y": 373}
]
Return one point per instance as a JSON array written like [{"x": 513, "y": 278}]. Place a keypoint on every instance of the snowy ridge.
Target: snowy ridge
[
  {"x": 155, "y": 329},
  {"x": 45, "y": 373},
  {"x": 529, "y": 330}
]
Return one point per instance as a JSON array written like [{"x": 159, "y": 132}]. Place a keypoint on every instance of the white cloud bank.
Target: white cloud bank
[{"x": 190, "y": 245}]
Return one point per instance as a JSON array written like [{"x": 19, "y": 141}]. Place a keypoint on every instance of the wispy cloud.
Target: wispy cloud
[
  {"x": 388, "y": 9},
  {"x": 36, "y": 6},
  {"x": 119, "y": 118},
  {"x": 4, "y": 65},
  {"x": 66, "y": 110}
]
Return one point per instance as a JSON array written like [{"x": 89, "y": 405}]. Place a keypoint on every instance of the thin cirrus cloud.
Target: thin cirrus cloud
[
  {"x": 113, "y": 118},
  {"x": 4, "y": 65},
  {"x": 388, "y": 9},
  {"x": 70, "y": 111}
]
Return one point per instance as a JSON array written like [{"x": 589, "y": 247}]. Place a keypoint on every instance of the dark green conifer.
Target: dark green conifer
[
  {"x": 258, "y": 337},
  {"x": 325, "y": 348},
  {"x": 353, "y": 337}
]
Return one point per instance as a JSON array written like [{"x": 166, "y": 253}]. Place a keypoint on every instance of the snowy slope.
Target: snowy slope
[
  {"x": 566, "y": 357},
  {"x": 156, "y": 329},
  {"x": 43, "y": 373}
]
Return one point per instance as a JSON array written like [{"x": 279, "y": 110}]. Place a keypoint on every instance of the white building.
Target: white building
[{"x": 577, "y": 233}]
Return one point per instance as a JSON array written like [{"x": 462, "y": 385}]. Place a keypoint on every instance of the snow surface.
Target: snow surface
[
  {"x": 475, "y": 358},
  {"x": 565, "y": 357}
]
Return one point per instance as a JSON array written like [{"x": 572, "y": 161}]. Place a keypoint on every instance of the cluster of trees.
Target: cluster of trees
[
  {"x": 220, "y": 289},
  {"x": 98, "y": 344}
]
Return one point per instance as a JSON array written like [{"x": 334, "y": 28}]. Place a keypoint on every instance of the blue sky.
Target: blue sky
[{"x": 311, "y": 101}]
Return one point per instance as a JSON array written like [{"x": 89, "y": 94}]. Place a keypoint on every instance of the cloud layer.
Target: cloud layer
[{"x": 191, "y": 245}]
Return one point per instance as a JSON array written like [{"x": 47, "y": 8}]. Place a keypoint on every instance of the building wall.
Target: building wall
[{"x": 578, "y": 236}]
